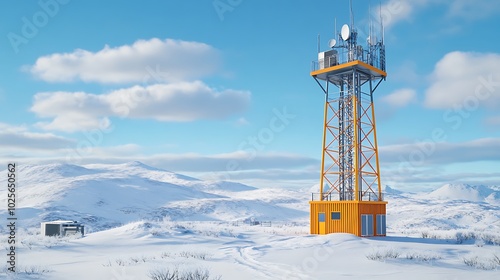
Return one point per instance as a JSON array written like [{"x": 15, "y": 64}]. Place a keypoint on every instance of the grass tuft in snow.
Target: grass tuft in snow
[
  {"x": 141, "y": 259},
  {"x": 176, "y": 274},
  {"x": 120, "y": 262},
  {"x": 384, "y": 254},
  {"x": 460, "y": 237},
  {"x": 31, "y": 271},
  {"x": 31, "y": 239},
  {"x": 194, "y": 255},
  {"x": 422, "y": 257},
  {"x": 145, "y": 259},
  {"x": 496, "y": 259},
  {"x": 427, "y": 235},
  {"x": 107, "y": 264},
  {"x": 129, "y": 262},
  {"x": 185, "y": 254},
  {"x": 483, "y": 263}
]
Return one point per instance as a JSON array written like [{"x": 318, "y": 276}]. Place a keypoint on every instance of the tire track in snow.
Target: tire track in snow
[{"x": 244, "y": 255}]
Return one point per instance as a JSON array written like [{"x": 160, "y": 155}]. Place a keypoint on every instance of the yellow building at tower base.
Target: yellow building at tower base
[{"x": 361, "y": 218}]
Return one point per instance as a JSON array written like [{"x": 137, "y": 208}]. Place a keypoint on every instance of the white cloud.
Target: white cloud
[
  {"x": 406, "y": 72},
  {"x": 400, "y": 98},
  {"x": 494, "y": 121},
  {"x": 394, "y": 11},
  {"x": 229, "y": 162},
  {"x": 423, "y": 164},
  {"x": 295, "y": 178},
  {"x": 420, "y": 154},
  {"x": 242, "y": 122},
  {"x": 19, "y": 138},
  {"x": 465, "y": 79},
  {"x": 146, "y": 61},
  {"x": 183, "y": 101},
  {"x": 259, "y": 169},
  {"x": 85, "y": 151},
  {"x": 429, "y": 178},
  {"x": 219, "y": 164},
  {"x": 471, "y": 9}
]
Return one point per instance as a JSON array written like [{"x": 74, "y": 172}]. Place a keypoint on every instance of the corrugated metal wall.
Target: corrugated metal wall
[
  {"x": 372, "y": 208},
  {"x": 350, "y": 213}
]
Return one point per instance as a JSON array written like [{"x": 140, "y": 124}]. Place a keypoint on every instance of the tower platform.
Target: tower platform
[{"x": 334, "y": 72}]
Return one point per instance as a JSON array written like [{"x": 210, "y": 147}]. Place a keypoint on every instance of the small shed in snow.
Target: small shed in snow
[{"x": 61, "y": 228}]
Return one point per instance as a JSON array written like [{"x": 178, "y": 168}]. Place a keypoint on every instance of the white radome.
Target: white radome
[{"x": 345, "y": 32}]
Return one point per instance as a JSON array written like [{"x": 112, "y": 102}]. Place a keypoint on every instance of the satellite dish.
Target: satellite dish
[
  {"x": 332, "y": 43},
  {"x": 345, "y": 32}
]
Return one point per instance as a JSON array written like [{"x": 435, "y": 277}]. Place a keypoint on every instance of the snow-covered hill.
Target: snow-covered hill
[
  {"x": 105, "y": 196},
  {"x": 449, "y": 208},
  {"x": 144, "y": 219},
  {"x": 463, "y": 192}
]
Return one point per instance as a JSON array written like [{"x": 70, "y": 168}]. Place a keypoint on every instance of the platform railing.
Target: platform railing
[
  {"x": 369, "y": 196},
  {"x": 375, "y": 58}
]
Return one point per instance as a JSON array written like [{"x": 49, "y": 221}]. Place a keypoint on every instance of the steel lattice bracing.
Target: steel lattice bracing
[{"x": 350, "y": 167}]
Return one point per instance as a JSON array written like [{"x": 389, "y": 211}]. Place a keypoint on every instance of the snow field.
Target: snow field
[{"x": 141, "y": 220}]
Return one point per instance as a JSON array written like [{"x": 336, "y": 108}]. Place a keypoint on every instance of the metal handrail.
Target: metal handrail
[
  {"x": 370, "y": 196},
  {"x": 371, "y": 57}
]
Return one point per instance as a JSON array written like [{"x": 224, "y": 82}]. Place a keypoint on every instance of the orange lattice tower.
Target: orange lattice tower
[{"x": 350, "y": 198}]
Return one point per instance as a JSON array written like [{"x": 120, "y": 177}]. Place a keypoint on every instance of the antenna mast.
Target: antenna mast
[
  {"x": 352, "y": 14},
  {"x": 370, "y": 36},
  {"x": 319, "y": 43},
  {"x": 381, "y": 23},
  {"x": 335, "y": 32}
]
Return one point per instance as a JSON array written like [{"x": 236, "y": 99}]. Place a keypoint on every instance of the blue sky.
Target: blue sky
[{"x": 221, "y": 89}]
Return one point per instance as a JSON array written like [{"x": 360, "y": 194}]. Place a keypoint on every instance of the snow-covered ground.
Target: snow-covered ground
[{"x": 142, "y": 220}]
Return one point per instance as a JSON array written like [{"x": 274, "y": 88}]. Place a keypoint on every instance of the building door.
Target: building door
[
  {"x": 366, "y": 225},
  {"x": 381, "y": 224},
  {"x": 322, "y": 225}
]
